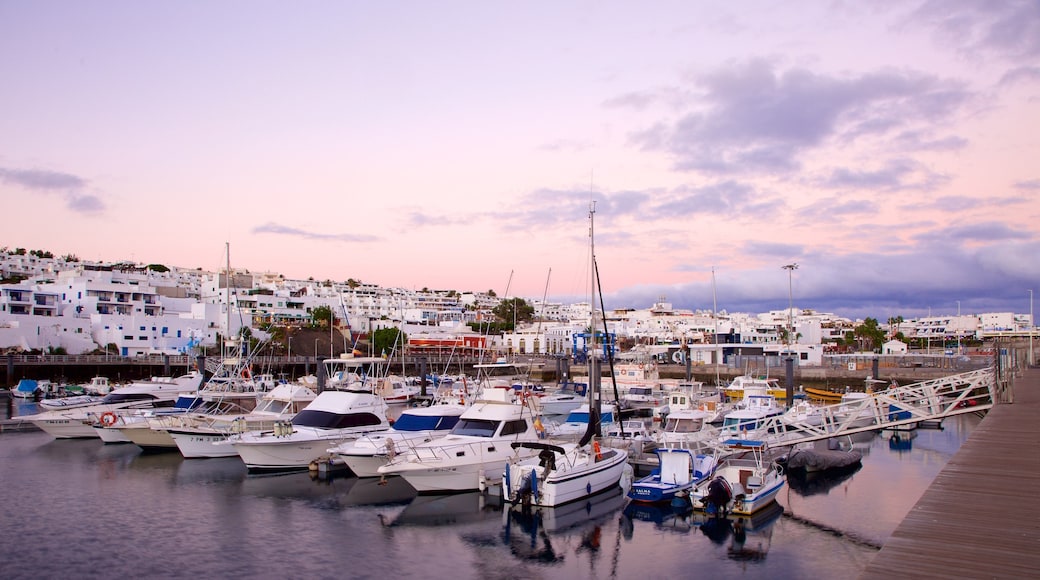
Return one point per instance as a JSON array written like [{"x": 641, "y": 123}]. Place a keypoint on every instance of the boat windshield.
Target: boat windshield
[
  {"x": 738, "y": 424},
  {"x": 475, "y": 427},
  {"x": 408, "y": 422},
  {"x": 682, "y": 425},
  {"x": 327, "y": 420}
]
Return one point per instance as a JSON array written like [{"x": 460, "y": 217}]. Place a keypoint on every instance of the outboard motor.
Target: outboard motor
[{"x": 719, "y": 494}]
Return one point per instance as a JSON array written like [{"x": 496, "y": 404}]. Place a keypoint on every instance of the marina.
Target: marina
[{"x": 843, "y": 524}]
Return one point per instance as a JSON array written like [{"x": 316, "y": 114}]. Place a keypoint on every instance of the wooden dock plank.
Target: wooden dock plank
[{"x": 980, "y": 518}]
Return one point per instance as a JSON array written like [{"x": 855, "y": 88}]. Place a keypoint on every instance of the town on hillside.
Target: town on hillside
[{"x": 61, "y": 305}]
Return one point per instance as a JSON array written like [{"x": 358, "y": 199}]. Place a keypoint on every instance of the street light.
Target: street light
[
  {"x": 288, "y": 351},
  {"x": 790, "y": 308},
  {"x": 958, "y": 327},
  {"x": 1032, "y": 325}
]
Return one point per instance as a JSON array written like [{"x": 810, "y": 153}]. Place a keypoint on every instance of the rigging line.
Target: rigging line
[{"x": 483, "y": 349}]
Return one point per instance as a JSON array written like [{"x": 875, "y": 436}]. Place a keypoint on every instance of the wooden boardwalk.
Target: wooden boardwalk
[{"x": 980, "y": 518}]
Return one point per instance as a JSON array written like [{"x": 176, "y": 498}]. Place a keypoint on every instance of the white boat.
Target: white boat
[
  {"x": 745, "y": 384},
  {"x": 686, "y": 428},
  {"x": 97, "y": 386},
  {"x": 365, "y": 455},
  {"x": 110, "y": 429},
  {"x": 563, "y": 473},
  {"x": 804, "y": 412},
  {"x": 561, "y": 402},
  {"x": 330, "y": 419},
  {"x": 72, "y": 402},
  {"x": 643, "y": 397},
  {"x": 855, "y": 410},
  {"x": 756, "y": 406},
  {"x": 577, "y": 422},
  {"x": 744, "y": 481},
  {"x": 78, "y": 422},
  {"x": 395, "y": 390},
  {"x": 31, "y": 389},
  {"x": 205, "y": 433},
  {"x": 473, "y": 455},
  {"x": 630, "y": 429}
]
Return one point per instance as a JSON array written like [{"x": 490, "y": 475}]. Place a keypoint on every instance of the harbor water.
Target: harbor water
[{"x": 79, "y": 508}]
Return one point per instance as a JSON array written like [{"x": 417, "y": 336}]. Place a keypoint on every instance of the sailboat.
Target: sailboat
[{"x": 566, "y": 472}]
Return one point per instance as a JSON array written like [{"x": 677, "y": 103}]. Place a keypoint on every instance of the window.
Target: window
[{"x": 514, "y": 427}]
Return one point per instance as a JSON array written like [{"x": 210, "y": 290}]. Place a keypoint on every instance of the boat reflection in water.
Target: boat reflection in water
[
  {"x": 665, "y": 516},
  {"x": 547, "y": 535},
  {"x": 900, "y": 440},
  {"x": 749, "y": 537},
  {"x": 807, "y": 483},
  {"x": 446, "y": 510}
]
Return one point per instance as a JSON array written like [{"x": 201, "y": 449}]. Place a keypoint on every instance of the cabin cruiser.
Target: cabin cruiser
[
  {"x": 205, "y": 433},
  {"x": 577, "y": 421},
  {"x": 78, "y": 422},
  {"x": 473, "y": 454},
  {"x": 561, "y": 401},
  {"x": 750, "y": 414},
  {"x": 330, "y": 419},
  {"x": 365, "y": 455}
]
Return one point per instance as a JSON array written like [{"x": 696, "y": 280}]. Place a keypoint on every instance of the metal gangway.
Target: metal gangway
[{"x": 895, "y": 407}]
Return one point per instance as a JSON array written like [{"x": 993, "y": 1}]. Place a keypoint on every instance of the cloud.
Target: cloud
[
  {"x": 723, "y": 199},
  {"x": 41, "y": 179},
  {"x": 896, "y": 175},
  {"x": 273, "y": 228},
  {"x": 65, "y": 185},
  {"x": 1029, "y": 185},
  {"x": 1009, "y": 29},
  {"x": 1020, "y": 75},
  {"x": 933, "y": 277},
  {"x": 986, "y": 232},
  {"x": 753, "y": 117}
]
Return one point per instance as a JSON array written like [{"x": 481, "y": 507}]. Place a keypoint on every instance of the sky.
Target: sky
[{"x": 890, "y": 149}]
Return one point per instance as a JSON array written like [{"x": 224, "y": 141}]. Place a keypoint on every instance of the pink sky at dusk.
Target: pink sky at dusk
[{"x": 889, "y": 148}]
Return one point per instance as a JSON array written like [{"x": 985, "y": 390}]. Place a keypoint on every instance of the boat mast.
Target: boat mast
[{"x": 592, "y": 428}]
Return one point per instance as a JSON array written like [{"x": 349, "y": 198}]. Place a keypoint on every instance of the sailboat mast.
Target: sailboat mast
[{"x": 592, "y": 291}]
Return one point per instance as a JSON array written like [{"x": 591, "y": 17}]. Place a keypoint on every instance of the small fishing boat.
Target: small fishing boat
[
  {"x": 744, "y": 481},
  {"x": 678, "y": 471}
]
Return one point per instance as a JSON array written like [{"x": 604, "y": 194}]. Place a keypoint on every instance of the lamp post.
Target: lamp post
[
  {"x": 790, "y": 308},
  {"x": 315, "y": 349},
  {"x": 958, "y": 327},
  {"x": 288, "y": 350},
  {"x": 1032, "y": 326}
]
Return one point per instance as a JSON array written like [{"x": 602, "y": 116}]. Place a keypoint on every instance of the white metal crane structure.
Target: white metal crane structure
[{"x": 898, "y": 406}]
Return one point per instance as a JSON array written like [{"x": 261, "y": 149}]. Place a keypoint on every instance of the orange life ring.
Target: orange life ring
[{"x": 108, "y": 418}]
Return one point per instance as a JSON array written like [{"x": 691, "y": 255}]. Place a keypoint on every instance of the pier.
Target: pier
[{"x": 980, "y": 517}]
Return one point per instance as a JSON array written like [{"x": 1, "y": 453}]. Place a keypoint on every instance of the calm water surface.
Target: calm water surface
[{"x": 79, "y": 508}]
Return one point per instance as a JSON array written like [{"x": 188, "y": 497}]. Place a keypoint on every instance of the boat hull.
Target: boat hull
[
  {"x": 265, "y": 451},
  {"x": 202, "y": 444},
  {"x": 563, "y": 487},
  {"x": 149, "y": 439}
]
